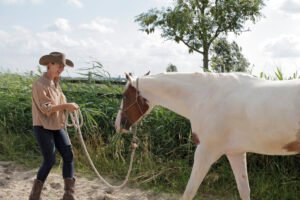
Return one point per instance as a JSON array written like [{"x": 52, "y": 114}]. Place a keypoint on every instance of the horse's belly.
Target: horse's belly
[{"x": 269, "y": 143}]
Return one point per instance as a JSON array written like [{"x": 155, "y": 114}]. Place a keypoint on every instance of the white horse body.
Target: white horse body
[
  {"x": 230, "y": 114},
  {"x": 244, "y": 114}
]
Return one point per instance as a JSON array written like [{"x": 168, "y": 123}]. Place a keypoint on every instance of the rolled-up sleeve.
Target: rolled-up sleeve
[{"x": 42, "y": 101}]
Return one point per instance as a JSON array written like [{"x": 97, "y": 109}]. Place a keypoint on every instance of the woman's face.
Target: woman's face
[{"x": 55, "y": 69}]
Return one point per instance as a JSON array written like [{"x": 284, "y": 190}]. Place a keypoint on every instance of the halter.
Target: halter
[{"x": 135, "y": 103}]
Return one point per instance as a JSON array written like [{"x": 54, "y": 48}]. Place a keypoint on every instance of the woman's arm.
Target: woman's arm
[{"x": 65, "y": 106}]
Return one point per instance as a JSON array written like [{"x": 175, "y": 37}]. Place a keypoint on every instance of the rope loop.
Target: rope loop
[{"x": 77, "y": 123}]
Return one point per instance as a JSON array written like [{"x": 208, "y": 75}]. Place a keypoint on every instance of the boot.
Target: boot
[
  {"x": 36, "y": 190},
  {"x": 69, "y": 189}
]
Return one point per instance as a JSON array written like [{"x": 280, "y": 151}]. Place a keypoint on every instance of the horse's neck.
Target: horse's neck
[
  {"x": 185, "y": 94},
  {"x": 170, "y": 94}
]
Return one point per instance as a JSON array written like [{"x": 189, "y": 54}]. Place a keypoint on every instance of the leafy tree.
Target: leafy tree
[
  {"x": 171, "y": 68},
  {"x": 228, "y": 57},
  {"x": 197, "y": 23}
]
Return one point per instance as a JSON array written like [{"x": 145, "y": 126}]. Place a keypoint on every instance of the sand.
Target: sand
[{"x": 16, "y": 183}]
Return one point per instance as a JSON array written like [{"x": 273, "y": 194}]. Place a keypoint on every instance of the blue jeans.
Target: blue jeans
[{"x": 49, "y": 140}]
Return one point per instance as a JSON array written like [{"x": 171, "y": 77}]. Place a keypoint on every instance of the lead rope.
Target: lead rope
[{"x": 77, "y": 123}]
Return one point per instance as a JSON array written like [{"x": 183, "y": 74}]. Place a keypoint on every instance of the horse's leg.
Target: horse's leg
[
  {"x": 238, "y": 164},
  {"x": 203, "y": 159}
]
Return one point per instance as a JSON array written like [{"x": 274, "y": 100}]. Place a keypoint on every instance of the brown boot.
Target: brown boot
[
  {"x": 36, "y": 190},
  {"x": 69, "y": 189}
]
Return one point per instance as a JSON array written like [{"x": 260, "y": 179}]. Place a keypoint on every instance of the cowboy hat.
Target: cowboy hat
[{"x": 55, "y": 57}]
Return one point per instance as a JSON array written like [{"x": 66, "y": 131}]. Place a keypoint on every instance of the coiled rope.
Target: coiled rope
[{"x": 77, "y": 123}]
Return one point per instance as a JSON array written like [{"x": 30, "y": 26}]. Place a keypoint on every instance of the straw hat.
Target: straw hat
[{"x": 55, "y": 57}]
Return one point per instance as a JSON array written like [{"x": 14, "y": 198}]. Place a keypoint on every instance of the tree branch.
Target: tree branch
[
  {"x": 198, "y": 4},
  {"x": 216, "y": 2},
  {"x": 217, "y": 33},
  {"x": 191, "y": 47}
]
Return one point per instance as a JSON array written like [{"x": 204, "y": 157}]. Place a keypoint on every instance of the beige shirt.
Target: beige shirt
[{"x": 45, "y": 94}]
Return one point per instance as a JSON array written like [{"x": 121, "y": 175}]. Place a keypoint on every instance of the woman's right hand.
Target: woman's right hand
[{"x": 71, "y": 107}]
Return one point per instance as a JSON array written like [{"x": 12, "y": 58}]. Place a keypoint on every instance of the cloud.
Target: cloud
[
  {"x": 291, "y": 7},
  {"x": 76, "y": 3},
  {"x": 53, "y": 40},
  {"x": 163, "y": 2},
  {"x": 118, "y": 53},
  {"x": 22, "y": 40},
  {"x": 284, "y": 47},
  {"x": 3, "y": 37},
  {"x": 149, "y": 52},
  {"x": 14, "y": 2},
  {"x": 101, "y": 25},
  {"x": 60, "y": 24}
]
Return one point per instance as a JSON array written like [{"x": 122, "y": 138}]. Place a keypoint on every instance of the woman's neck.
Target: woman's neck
[{"x": 52, "y": 77}]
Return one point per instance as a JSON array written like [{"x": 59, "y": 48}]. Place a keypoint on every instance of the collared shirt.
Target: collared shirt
[{"x": 45, "y": 94}]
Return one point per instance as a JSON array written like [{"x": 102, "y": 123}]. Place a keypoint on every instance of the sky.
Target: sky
[{"x": 105, "y": 31}]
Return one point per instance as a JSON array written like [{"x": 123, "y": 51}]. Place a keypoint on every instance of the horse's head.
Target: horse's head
[{"x": 133, "y": 106}]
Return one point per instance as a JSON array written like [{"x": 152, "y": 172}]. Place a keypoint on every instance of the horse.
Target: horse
[{"x": 230, "y": 114}]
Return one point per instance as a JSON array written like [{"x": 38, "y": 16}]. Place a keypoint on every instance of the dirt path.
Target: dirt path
[{"x": 15, "y": 184}]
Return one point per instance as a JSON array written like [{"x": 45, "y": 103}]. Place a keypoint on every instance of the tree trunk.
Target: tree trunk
[{"x": 205, "y": 59}]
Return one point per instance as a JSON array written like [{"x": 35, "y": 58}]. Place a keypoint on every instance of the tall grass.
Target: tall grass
[{"x": 165, "y": 154}]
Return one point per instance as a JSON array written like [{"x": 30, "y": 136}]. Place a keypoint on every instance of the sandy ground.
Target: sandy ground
[{"x": 16, "y": 183}]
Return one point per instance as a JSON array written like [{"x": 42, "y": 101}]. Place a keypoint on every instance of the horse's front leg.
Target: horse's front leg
[
  {"x": 203, "y": 159},
  {"x": 238, "y": 164}
]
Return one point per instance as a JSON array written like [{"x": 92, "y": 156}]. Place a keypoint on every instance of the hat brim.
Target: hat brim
[{"x": 45, "y": 60}]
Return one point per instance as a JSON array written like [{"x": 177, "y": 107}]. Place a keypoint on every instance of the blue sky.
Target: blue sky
[{"x": 104, "y": 30}]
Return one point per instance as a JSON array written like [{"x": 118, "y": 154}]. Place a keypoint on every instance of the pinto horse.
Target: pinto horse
[{"x": 230, "y": 114}]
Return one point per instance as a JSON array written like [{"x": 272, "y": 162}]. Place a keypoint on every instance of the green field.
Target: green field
[{"x": 165, "y": 154}]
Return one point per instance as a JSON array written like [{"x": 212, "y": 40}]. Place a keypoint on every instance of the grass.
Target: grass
[{"x": 165, "y": 154}]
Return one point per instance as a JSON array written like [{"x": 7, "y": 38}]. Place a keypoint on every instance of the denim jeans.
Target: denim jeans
[{"x": 49, "y": 141}]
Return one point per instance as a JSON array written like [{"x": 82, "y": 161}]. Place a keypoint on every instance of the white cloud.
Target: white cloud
[
  {"x": 24, "y": 41},
  {"x": 149, "y": 52},
  {"x": 60, "y": 24},
  {"x": 101, "y": 25},
  {"x": 36, "y": 1},
  {"x": 20, "y": 41},
  {"x": 12, "y": 2},
  {"x": 291, "y": 7},
  {"x": 136, "y": 54},
  {"x": 283, "y": 47},
  {"x": 163, "y": 2},
  {"x": 54, "y": 40},
  {"x": 3, "y": 37},
  {"x": 76, "y": 3}
]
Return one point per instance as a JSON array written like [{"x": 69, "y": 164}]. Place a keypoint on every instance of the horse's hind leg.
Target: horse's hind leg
[
  {"x": 238, "y": 164},
  {"x": 203, "y": 159}
]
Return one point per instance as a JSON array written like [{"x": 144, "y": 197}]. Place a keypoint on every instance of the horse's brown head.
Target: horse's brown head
[{"x": 133, "y": 106}]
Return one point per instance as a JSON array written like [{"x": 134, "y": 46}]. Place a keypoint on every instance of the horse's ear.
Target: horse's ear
[
  {"x": 147, "y": 73},
  {"x": 128, "y": 77}
]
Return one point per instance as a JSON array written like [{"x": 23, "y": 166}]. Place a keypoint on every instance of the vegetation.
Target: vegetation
[
  {"x": 171, "y": 68},
  {"x": 197, "y": 23},
  {"x": 165, "y": 154},
  {"x": 228, "y": 57}
]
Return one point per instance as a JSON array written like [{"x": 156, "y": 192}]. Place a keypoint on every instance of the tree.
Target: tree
[
  {"x": 227, "y": 57},
  {"x": 197, "y": 23},
  {"x": 171, "y": 68}
]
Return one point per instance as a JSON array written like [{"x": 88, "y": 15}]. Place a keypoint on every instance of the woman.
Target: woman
[{"x": 48, "y": 114}]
